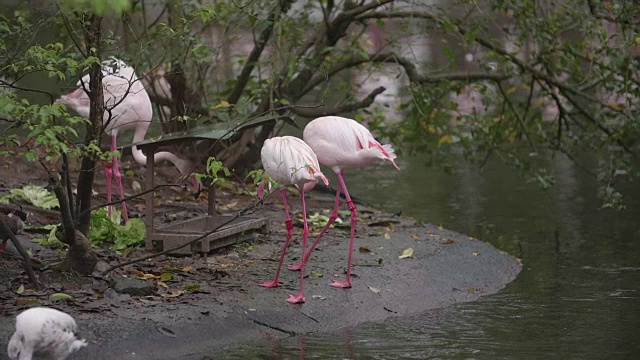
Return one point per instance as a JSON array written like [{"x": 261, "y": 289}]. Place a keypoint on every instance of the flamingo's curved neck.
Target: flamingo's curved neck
[{"x": 141, "y": 158}]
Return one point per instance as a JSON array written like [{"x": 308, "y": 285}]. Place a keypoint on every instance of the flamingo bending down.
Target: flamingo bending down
[
  {"x": 289, "y": 161},
  {"x": 341, "y": 143},
  {"x": 44, "y": 332},
  {"x": 127, "y": 105}
]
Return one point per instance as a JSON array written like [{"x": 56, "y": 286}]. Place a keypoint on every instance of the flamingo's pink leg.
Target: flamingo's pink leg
[
  {"x": 305, "y": 235},
  {"x": 354, "y": 218},
  {"x": 275, "y": 283},
  {"x": 118, "y": 176},
  {"x": 332, "y": 219},
  {"x": 3, "y": 247},
  {"x": 108, "y": 170}
]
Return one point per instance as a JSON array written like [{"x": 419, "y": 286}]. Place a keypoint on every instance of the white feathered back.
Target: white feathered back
[
  {"x": 44, "y": 331},
  {"x": 341, "y": 143},
  {"x": 289, "y": 161}
]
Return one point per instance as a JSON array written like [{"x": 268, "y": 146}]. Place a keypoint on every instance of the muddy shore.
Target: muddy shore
[{"x": 213, "y": 302}]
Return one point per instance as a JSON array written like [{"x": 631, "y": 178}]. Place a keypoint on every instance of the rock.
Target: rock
[{"x": 132, "y": 286}]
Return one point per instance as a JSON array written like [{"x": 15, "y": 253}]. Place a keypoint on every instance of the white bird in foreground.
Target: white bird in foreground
[{"x": 44, "y": 332}]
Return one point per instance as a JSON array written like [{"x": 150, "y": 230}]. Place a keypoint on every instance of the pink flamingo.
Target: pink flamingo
[
  {"x": 289, "y": 161},
  {"x": 341, "y": 143},
  {"x": 127, "y": 106}
]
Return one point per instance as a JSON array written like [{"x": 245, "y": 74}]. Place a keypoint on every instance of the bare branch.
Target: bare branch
[
  {"x": 324, "y": 110},
  {"x": 255, "y": 54},
  {"x": 409, "y": 68},
  {"x": 518, "y": 118}
]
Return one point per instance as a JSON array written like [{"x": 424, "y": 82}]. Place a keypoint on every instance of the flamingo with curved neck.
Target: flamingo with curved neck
[{"x": 127, "y": 106}]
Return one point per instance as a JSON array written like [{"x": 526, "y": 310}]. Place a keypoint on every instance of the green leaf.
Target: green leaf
[
  {"x": 108, "y": 230},
  {"x": 51, "y": 240},
  {"x": 60, "y": 296},
  {"x": 37, "y": 196},
  {"x": 193, "y": 287}
]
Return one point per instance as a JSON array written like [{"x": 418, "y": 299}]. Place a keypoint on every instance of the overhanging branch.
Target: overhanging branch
[{"x": 324, "y": 110}]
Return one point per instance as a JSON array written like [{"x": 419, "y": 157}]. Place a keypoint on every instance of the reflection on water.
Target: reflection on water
[{"x": 577, "y": 297}]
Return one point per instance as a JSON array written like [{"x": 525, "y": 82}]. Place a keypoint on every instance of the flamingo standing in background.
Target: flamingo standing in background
[
  {"x": 127, "y": 105},
  {"x": 289, "y": 161},
  {"x": 45, "y": 333},
  {"x": 341, "y": 143}
]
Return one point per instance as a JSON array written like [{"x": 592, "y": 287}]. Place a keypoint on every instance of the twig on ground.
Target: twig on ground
[{"x": 6, "y": 232}]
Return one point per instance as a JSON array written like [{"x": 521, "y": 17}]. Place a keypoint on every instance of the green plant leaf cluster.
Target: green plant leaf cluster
[{"x": 105, "y": 230}]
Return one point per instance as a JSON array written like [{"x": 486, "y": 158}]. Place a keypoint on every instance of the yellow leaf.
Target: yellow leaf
[
  {"x": 187, "y": 268},
  {"x": 444, "y": 139},
  {"x": 173, "y": 294},
  {"x": 166, "y": 276},
  {"x": 136, "y": 186},
  {"x": 406, "y": 254},
  {"x": 222, "y": 104},
  {"x": 511, "y": 90},
  {"x": 387, "y": 236},
  {"x": 615, "y": 106},
  {"x": 149, "y": 276},
  {"x": 375, "y": 290},
  {"x": 20, "y": 289}
]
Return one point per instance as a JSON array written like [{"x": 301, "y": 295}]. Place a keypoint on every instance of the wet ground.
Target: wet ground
[{"x": 200, "y": 304}]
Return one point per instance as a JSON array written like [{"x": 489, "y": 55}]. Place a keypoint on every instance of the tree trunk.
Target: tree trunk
[
  {"x": 80, "y": 257},
  {"x": 93, "y": 42}
]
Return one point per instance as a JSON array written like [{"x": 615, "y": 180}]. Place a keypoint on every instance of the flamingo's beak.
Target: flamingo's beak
[
  {"x": 260, "y": 191},
  {"x": 197, "y": 188}
]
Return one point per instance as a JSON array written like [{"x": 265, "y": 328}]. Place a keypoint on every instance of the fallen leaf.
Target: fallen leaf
[
  {"x": 375, "y": 290},
  {"x": 163, "y": 284},
  {"x": 164, "y": 331},
  {"x": 150, "y": 276},
  {"x": 60, "y": 296},
  {"x": 475, "y": 253},
  {"x": 449, "y": 241},
  {"x": 173, "y": 294},
  {"x": 167, "y": 276},
  {"x": 364, "y": 250},
  {"x": 471, "y": 289},
  {"x": 193, "y": 287},
  {"x": 20, "y": 289},
  {"x": 406, "y": 254},
  {"x": 27, "y": 301},
  {"x": 319, "y": 297},
  {"x": 385, "y": 223},
  {"x": 315, "y": 274},
  {"x": 415, "y": 236},
  {"x": 187, "y": 268},
  {"x": 387, "y": 236},
  {"x": 136, "y": 186}
]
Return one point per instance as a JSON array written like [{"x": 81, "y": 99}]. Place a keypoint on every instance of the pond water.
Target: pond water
[{"x": 578, "y": 296}]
